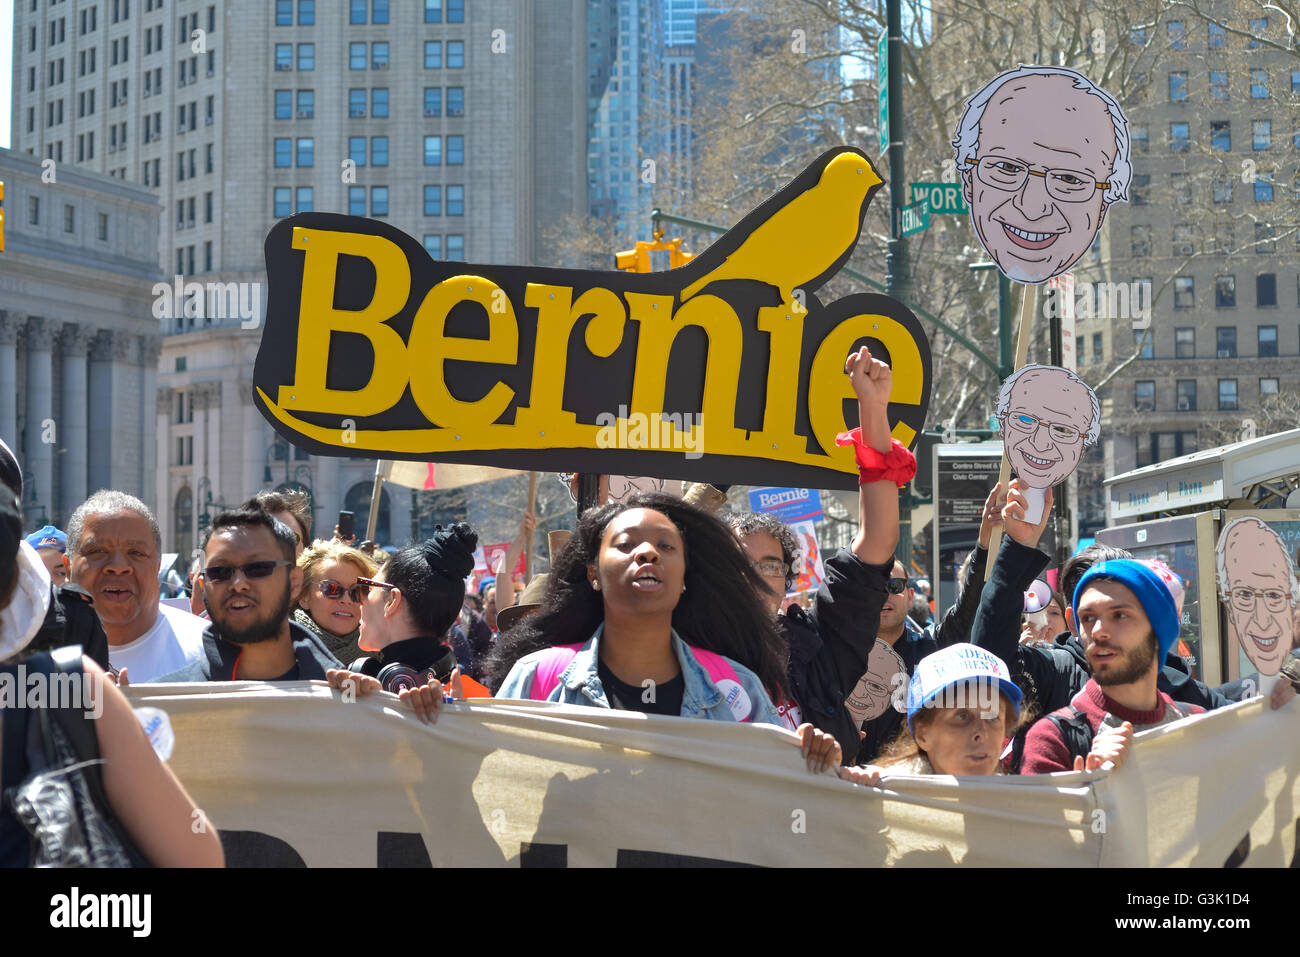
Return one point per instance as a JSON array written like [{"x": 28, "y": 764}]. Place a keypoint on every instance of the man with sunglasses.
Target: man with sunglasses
[
  {"x": 1043, "y": 151},
  {"x": 249, "y": 581}
]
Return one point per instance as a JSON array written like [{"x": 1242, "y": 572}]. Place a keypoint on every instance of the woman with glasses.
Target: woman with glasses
[{"x": 329, "y": 604}]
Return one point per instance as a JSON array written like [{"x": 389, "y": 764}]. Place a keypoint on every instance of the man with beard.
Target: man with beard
[
  {"x": 1127, "y": 622},
  {"x": 249, "y": 580}
]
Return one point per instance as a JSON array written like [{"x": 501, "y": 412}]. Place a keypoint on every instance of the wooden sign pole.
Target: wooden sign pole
[{"x": 1027, "y": 305}]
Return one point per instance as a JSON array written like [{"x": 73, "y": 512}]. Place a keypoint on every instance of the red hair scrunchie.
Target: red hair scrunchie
[{"x": 898, "y": 465}]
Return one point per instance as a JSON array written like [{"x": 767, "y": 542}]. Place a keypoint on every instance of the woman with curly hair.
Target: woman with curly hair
[
  {"x": 650, "y": 607},
  {"x": 329, "y": 604}
]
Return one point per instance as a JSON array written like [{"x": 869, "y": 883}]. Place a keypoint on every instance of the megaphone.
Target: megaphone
[{"x": 1037, "y": 598}]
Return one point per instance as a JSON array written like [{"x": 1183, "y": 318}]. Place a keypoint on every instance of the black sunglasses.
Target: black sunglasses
[
  {"x": 219, "y": 574},
  {"x": 897, "y": 586}
]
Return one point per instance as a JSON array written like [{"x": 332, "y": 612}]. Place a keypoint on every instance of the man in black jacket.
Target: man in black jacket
[{"x": 249, "y": 580}]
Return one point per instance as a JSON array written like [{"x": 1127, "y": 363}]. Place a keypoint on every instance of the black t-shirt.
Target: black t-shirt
[
  {"x": 665, "y": 699},
  {"x": 290, "y": 675}
]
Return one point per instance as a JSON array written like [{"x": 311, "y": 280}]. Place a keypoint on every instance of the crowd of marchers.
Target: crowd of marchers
[{"x": 658, "y": 604}]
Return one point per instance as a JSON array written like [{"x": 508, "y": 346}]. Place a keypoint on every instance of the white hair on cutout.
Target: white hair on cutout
[{"x": 968, "y": 128}]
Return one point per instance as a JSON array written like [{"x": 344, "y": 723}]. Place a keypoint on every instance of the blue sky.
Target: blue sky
[{"x": 6, "y": 66}]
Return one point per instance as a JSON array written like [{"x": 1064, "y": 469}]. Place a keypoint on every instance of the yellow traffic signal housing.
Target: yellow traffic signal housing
[{"x": 638, "y": 260}]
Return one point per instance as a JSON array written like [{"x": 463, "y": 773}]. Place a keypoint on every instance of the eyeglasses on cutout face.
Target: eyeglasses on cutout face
[
  {"x": 1244, "y": 599},
  {"x": 220, "y": 574},
  {"x": 1024, "y": 422},
  {"x": 1010, "y": 176},
  {"x": 334, "y": 591}
]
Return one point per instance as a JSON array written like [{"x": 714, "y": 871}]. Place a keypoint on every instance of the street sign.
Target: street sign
[
  {"x": 916, "y": 218},
  {"x": 882, "y": 85},
  {"x": 942, "y": 197}
]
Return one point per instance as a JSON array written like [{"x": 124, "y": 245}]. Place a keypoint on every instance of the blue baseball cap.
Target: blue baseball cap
[
  {"x": 956, "y": 665},
  {"x": 1147, "y": 587},
  {"x": 48, "y": 537}
]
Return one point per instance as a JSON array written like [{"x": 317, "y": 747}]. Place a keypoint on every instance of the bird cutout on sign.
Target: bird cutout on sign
[
  {"x": 1257, "y": 584},
  {"x": 1049, "y": 417},
  {"x": 774, "y": 253},
  {"x": 1043, "y": 153}
]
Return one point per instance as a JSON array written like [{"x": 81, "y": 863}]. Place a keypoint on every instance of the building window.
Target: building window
[
  {"x": 283, "y": 56},
  {"x": 1264, "y": 187},
  {"x": 1225, "y": 297},
  {"x": 306, "y": 56},
  {"x": 455, "y": 151},
  {"x": 1184, "y": 292},
  {"x": 356, "y": 103},
  {"x": 1180, "y": 138},
  {"x": 1140, "y": 240},
  {"x": 1186, "y": 395},
  {"x": 284, "y": 13},
  {"x": 1141, "y": 189},
  {"x": 101, "y": 231},
  {"x": 433, "y": 246},
  {"x": 433, "y": 54},
  {"x": 1261, "y": 134},
  {"x": 1259, "y": 84},
  {"x": 356, "y": 201},
  {"x": 356, "y": 56},
  {"x": 1221, "y": 190},
  {"x": 1144, "y": 395},
  {"x": 1218, "y": 37},
  {"x": 433, "y": 101},
  {"x": 1185, "y": 342},
  {"x": 306, "y": 151},
  {"x": 1265, "y": 244},
  {"x": 1142, "y": 341},
  {"x": 1184, "y": 239},
  {"x": 379, "y": 56},
  {"x": 455, "y": 54},
  {"x": 306, "y": 14},
  {"x": 455, "y": 248},
  {"x": 69, "y": 219},
  {"x": 433, "y": 13},
  {"x": 1181, "y": 187},
  {"x": 455, "y": 200},
  {"x": 358, "y": 12},
  {"x": 1266, "y": 293},
  {"x": 1225, "y": 340},
  {"x": 379, "y": 101},
  {"x": 379, "y": 150},
  {"x": 283, "y": 152},
  {"x": 304, "y": 199},
  {"x": 379, "y": 12},
  {"x": 433, "y": 200},
  {"x": 1221, "y": 136},
  {"x": 378, "y": 200},
  {"x": 1178, "y": 86},
  {"x": 1227, "y": 395},
  {"x": 357, "y": 150},
  {"x": 1268, "y": 342},
  {"x": 433, "y": 151},
  {"x": 1138, "y": 134},
  {"x": 1096, "y": 347},
  {"x": 455, "y": 101},
  {"x": 1267, "y": 387},
  {"x": 1177, "y": 35},
  {"x": 1258, "y": 26},
  {"x": 1218, "y": 85},
  {"x": 455, "y": 11},
  {"x": 306, "y": 104},
  {"x": 283, "y": 198}
]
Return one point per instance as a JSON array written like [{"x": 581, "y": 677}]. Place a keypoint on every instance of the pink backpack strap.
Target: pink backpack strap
[
  {"x": 549, "y": 668},
  {"x": 724, "y": 676}
]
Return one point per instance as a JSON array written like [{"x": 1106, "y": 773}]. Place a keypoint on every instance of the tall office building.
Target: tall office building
[
  {"x": 1214, "y": 218},
  {"x": 463, "y": 124}
]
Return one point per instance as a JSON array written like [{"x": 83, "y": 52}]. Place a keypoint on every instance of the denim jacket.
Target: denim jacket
[{"x": 579, "y": 683}]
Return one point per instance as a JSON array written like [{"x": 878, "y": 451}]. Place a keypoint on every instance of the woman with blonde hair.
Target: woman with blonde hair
[{"x": 329, "y": 604}]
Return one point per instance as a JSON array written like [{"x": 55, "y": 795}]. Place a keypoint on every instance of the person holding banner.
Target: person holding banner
[{"x": 637, "y": 581}]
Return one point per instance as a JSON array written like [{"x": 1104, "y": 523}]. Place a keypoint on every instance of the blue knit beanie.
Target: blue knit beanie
[{"x": 1152, "y": 594}]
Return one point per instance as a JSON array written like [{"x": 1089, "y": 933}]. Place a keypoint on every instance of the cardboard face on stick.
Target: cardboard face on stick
[
  {"x": 1048, "y": 416},
  {"x": 1043, "y": 151},
  {"x": 726, "y": 369},
  {"x": 1258, "y": 588}
]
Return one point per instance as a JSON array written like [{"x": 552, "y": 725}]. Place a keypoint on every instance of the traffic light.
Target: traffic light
[
  {"x": 633, "y": 260},
  {"x": 923, "y": 483}
]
